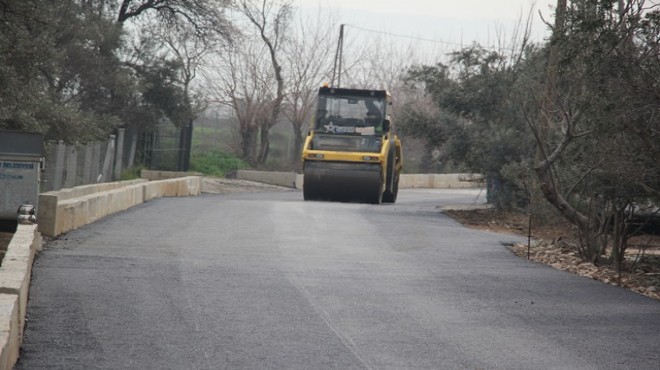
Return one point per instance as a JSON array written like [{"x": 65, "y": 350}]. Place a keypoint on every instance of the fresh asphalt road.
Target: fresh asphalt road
[{"x": 253, "y": 281}]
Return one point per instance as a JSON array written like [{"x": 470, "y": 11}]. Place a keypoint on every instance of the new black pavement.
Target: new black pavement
[{"x": 253, "y": 281}]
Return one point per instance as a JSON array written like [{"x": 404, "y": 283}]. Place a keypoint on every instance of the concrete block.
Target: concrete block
[
  {"x": 407, "y": 181},
  {"x": 84, "y": 190},
  {"x": 63, "y": 213},
  {"x": 10, "y": 338},
  {"x": 300, "y": 181},
  {"x": 163, "y": 175},
  {"x": 47, "y": 213},
  {"x": 151, "y": 191},
  {"x": 194, "y": 184},
  {"x": 16, "y": 268},
  {"x": 4, "y": 350},
  {"x": 286, "y": 179}
]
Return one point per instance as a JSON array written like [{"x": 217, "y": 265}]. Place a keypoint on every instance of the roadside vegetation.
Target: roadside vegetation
[
  {"x": 565, "y": 130},
  {"x": 215, "y": 163}
]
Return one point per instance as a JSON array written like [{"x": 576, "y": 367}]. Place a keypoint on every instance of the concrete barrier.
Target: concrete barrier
[
  {"x": 10, "y": 343},
  {"x": 68, "y": 209},
  {"x": 15, "y": 273},
  {"x": 152, "y": 175},
  {"x": 176, "y": 187},
  {"x": 406, "y": 181},
  {"x": 286, "y": 179},
  {"x": 441, "y": 181}
]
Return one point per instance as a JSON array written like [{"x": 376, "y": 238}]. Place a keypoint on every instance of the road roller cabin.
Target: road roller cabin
[{"x": 350, "y": 153}]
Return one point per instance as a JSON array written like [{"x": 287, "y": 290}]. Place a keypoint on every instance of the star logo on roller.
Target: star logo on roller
[{"x": 330, "y": 127}]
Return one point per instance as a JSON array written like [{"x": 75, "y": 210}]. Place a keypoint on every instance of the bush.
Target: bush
[
  {"x": 131, "y": 173},
  {"x": 216, "y": 163}
]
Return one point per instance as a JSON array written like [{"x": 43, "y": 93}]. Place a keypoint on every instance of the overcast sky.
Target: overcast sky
[{"x": 447, "y": 21}]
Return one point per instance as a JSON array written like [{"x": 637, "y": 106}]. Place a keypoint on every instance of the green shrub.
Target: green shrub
[
  {"x": 131, "y": 173},
  {"x": 216, "y": 163}
]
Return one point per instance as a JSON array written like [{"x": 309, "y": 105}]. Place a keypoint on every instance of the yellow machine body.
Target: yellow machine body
[{"x": 347, "y": 157}]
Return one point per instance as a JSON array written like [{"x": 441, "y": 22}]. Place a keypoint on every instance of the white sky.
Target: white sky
[{"x": 450, "y": 21}]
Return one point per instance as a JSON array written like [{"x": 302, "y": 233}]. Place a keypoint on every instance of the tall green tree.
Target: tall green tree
[
  {"x": 66, "y": 68},
  {"x": 58, "y": 80},
  {"x": 597, "y": 159},
  {"x": 480, "y": 123}
]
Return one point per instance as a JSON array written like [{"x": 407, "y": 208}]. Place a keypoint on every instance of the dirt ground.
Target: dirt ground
[{"x": 555, "y": 245}]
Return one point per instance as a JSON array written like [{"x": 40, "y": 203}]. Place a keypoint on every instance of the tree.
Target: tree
[
  {"x": 478, "y": 124},
  {"x": 241, "y": 82},
  {"x": 595, "y": 161},
  {"x": 206, "y": 17},
  {"x": 187, "y": 53},
  {"x": 270, "y": 18},
  {"x": 308, "y": 54},
  {"x": 59, "y": 60}
]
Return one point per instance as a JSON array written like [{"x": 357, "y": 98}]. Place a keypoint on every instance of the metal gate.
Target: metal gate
[{"x": 167, "y": 147}]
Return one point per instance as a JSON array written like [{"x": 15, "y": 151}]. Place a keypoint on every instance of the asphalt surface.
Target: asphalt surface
[{"x": 254, "y": 281}]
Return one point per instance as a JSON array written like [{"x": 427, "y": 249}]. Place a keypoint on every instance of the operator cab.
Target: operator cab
[{"x": 352, "y": 112}]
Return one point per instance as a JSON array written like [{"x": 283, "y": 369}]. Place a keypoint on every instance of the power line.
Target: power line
[{"x": 448, "y": 43}]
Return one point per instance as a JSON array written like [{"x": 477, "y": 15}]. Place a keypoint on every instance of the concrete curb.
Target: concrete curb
[
  {"x": 286, "y": 179},
  {"x": 441, "y": 181},
  {"x": 15, "y": 274},
  {"x": 407, "y": 181},
  {"x": 68, "y": 209}
]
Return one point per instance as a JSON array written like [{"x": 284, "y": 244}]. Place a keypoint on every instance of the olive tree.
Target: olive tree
[{"x": 596, "y": 158}]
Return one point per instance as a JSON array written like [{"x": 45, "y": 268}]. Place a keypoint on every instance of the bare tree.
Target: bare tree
[
  {"x": 189, "y": 51},
  {"x": 204, "y": 16},
  {"x": 308, "y": 54},
  {"x": 270, "y": 18},
  {"x": 241, "y": 81}
]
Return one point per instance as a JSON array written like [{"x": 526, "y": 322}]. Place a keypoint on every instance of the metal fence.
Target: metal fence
[
  {"x": 66, "y": 166},
  {"x": 165, "y": 147}
]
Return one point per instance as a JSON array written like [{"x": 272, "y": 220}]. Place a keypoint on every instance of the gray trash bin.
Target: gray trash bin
[{"x": 21, "y": 156}]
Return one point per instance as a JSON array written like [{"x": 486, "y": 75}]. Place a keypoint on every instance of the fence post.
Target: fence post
[
  {"x": 188, "y": 145},
  {"x": 87, "y": 165},
  {"x": 96, "y": 162},
  {"x": 107, "y": 160},
  {"x": 119, "y": 154},
  {"x": 48, "y": 174},
  {"x": 60, "y": 150},
  {"x": 71, "y": 167},
  {"x": 131, "y": 154}
]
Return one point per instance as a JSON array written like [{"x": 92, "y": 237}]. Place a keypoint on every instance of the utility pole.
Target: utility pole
[{"x": 336, "y": 69}]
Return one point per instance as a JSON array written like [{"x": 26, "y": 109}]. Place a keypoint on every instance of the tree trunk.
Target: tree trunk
[
  {"x": 298, "y": 141},
  {"x": 248, "y": 143},
  {"x": 264, "y": 145}
]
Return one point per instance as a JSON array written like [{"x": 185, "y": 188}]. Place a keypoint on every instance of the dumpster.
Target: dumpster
[{"x": 21, "y": 158}]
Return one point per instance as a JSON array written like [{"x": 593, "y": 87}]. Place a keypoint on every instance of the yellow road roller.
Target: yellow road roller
[{"x": 350, "y": 153}]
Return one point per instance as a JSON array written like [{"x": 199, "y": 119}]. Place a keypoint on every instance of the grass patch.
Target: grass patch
[
  {"x": 216, "y": 163},
  {"x": 131, "y": 173}
]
